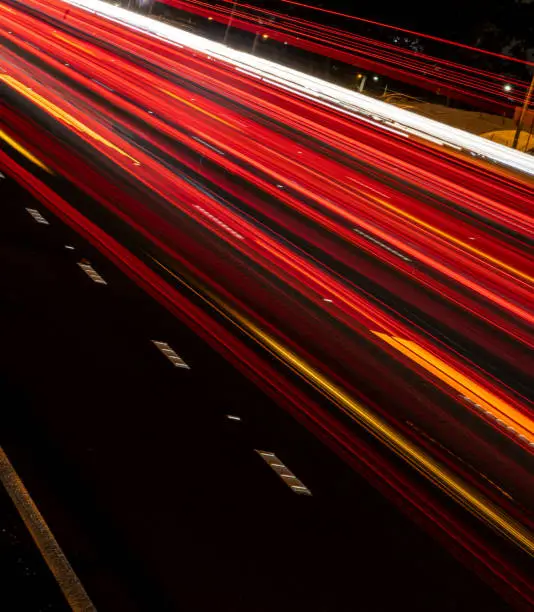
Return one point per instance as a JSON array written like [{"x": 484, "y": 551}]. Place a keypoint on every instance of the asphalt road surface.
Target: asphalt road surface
[
  {"x": 157, "y": 498},
  {"x": 386, "y": 281}
]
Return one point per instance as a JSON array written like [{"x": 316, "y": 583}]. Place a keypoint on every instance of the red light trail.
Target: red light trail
[
  {"x": 337, "y": 263},
  {"x": 482, "y": 88}
]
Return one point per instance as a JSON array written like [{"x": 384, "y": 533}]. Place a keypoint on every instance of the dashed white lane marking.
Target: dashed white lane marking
[
  {"x": 37, "y": 216},
  {"x": 92, "y": 273},
  {"x": 285, "y": 474},
  {"x": 171, "y": 355}
]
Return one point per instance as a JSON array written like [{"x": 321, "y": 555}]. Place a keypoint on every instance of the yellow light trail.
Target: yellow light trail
[
  {"x": 466, "y": 495},
  {"x": 388, "y": 205},
  {"x": 62, "y": 115},
  {"x": 197, "y": 108},
  {"x": 392, "y": 207},
  {"x": 456, "y": 241},
  {"x": 72, "y": 43},
  {"x": 464, "y": 385},
  {"x": 23, "y": 151},
  {"x": 84, "y": 49}
]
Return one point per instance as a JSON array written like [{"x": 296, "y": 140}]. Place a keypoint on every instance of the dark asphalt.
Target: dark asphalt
[{"x": 158, "y": 500}]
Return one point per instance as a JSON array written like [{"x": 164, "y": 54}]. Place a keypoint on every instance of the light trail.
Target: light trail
[
  {"x": 455, "y": 80},
  {"x": 65, "y": 117},
  {"x": 419, "y": 34},
  {"x": 345, "y": 256},
  {"x": 316, "y": 89},
  {"x": 450, "y": 483},
  {"x": 23, "y": 150},
  {"x": 513, "y": 419}
]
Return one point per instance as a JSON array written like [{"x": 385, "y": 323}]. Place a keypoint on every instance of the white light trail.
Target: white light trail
[{"x": 351, "y": 102}]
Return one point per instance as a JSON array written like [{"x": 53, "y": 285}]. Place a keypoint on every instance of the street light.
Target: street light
[
  {"x": 255, "y": 42},
  {"x": 524, "y": 110},
  {"x": 507, "y": 87},
  {"x": 229, "y": 22},
  {"x": 375, "y": 78}
]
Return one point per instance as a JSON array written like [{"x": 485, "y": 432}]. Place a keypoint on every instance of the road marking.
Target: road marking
[
  {"x": 284, "y": 473},
  {"x": 57, "y": 562},
  {"x": 219, "y": 222},
  {"x": 456, "y": 487},
  {"x": 206, "y": 144},
  {"x": 382, "y": 244},
  {"x": 37, "y": 216},
  {"x": 102, "y": 85},
  {"x": 23, "y": 151},
  {"x": 92, "y": 273},
  {"x": 171, "y": 355}
]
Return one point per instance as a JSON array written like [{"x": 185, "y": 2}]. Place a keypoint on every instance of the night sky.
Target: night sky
[{"x": 455, "y": 19}]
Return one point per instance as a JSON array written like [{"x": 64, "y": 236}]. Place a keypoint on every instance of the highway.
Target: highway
[
  {"x": 377, "y": 288},
  {"x": 390, "y": 59},
  {"x": 353, "y": 104},
  {"x": 150, "y": 489}
]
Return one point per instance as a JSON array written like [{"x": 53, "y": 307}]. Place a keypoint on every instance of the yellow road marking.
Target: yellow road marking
[{"x": 58, "y": 564}]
